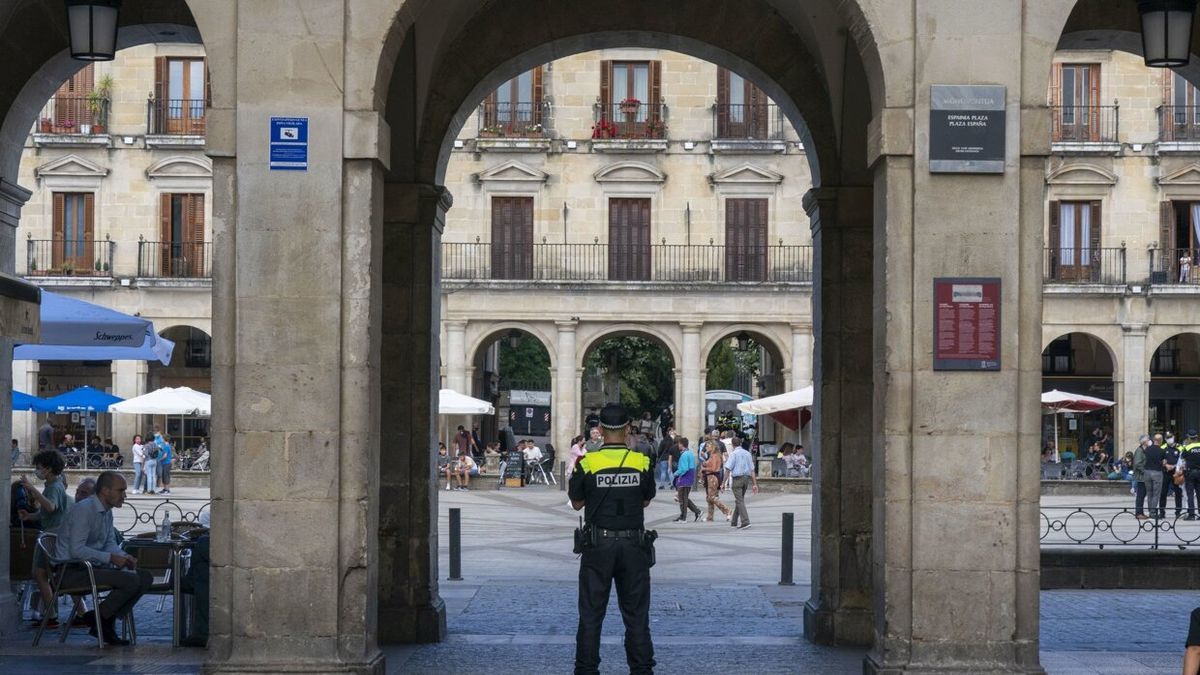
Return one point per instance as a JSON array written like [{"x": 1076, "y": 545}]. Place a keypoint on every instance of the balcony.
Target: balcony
[
  {"x": 69, "y": 258},
  {"x": 174, "y": 259},
  {"x": 630, "y": 126},
  {"x": 745, "y": 127},
  {"x": 596, "y": 262},
  {"x": 1178, "y": 128},
  {"x": 511, "y": 127},
  {"x": 73, "y": 121},
  {"x": 1085, "y": 128},
  {"x": 1104, "y": 266},
  {"x": 1175, "y": 267},
  {"x": 175, "y": 122}
]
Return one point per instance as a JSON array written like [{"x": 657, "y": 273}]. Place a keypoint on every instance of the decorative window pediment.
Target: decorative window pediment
[
  {"x": 1188, "y": 175},
  {"x": 72, "y": 166},
  {"x": 180, "y": 166},
  {"x": 1081, "y": 174},
  {"x": 746, "y": 174},
  {"x": 513, "y": 171},
  {"x": 630, "y": 172}
]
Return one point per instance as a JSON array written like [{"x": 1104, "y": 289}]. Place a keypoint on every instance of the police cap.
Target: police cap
[
  {"x": 1191, "y": 433},
  {"x": 613, "y": 416}
]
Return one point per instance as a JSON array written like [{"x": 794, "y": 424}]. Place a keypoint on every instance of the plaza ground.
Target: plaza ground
[{"x": 716, "y": 603}]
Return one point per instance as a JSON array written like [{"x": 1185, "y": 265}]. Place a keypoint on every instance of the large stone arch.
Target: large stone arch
[
  {"x": 1104, "y": 336},
  {"x": 775, "y": 339},
  {"x": 483, "y": 335},
  {"x": 1158, "y": 335},
  {"x": 590, "y": 339}
]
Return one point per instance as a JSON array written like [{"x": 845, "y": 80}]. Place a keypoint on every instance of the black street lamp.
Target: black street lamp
[
  {"x": 743, "y": 341},
  {"x": 93, "y": 28},
  {"x": 1167, "y": 32}
]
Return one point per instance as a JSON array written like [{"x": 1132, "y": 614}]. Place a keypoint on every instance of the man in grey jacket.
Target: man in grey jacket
[
  {"x": 1139, "y": 477},
  {"x": 1154, "y": 477}
]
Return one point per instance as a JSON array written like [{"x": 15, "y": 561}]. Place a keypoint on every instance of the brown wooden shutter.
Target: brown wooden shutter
[
  {"x": 1056, "y": 102},
  {"x": 656, "y": 90},
  {"x": 606, "y": 89},
  {"x": 158, "y": 116},
  {"x": 538, "y": 95},
  {"x": 59, "y": 235},
  {"x": 722, "y": 102},
  {"x": 164, "y": 217},
  {"x": 1094, "y": 241},
  {"x": 1166, "y": 229},
  {"x": 207, "y": 86},
  {"x": 89, "y": 230},
  {"x": 1054, "y": 239},
  {"x": 1094, "y": 84},
  {"x": 194, "y": 235}
]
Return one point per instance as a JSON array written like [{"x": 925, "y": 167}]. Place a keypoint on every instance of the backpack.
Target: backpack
[{"x": 152, "y": 451}]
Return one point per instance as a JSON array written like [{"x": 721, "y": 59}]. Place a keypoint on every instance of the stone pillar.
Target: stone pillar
[
  {"x": 410, "y": 609},
  {"x": 456, "y": 356},
  {"x": 129, "y": 380},
  {"x": 839, "y": 610},
  {"x": 1131, "y": 390},
  {"x": 25, "y": 423},
  {"x": 689, "y": 408},
  {"x": 802, "y": 356},
  {"x": 565, "y": 411}
]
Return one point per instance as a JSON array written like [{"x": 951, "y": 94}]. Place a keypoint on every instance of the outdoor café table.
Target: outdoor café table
[{"x": 176, "y": 544}]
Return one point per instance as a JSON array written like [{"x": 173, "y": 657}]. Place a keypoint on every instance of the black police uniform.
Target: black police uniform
[
  {"x": 1191, "y": 474},
  {"x": 614, "y": 483},
  {"x": 1171, "y": 455}
]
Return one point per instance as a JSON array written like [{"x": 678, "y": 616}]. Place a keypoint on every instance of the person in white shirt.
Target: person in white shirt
[
  {"x": 532, "y": 452},
  {"x": 464, "y": 469},
  {"x": 139, "y": 459}
]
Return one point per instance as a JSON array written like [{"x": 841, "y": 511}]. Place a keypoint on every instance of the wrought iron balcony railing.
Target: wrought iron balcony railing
[
  {"x": 175, "y": 259},
  {"x": 73, "y": 115},
  {"x": 176, "y": 117},
  {"x": 747, "y": 121},
  {"x": 69, "y": 257},
  {"x": 510, "y": 120},
  {"x": 1085, "y": 123},
  {"x": 1178, "y": 123},
  {"x": 1084, "y": 266},
  {"x": 1175, "y": 266},
  {"x": 482, "y": 261},
  {"x": 630, "y": 120}
]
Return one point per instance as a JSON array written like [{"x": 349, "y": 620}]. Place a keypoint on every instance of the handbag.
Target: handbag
[{"x": 1177, "y": 479}]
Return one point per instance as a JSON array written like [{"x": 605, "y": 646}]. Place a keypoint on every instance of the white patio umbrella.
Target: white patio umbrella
[
  {"x": 167, "y": 401},
  {"x": 1055, "y": 402},
  {"x": 451, "y": 402},
  {"x": 782, "y": 407}
]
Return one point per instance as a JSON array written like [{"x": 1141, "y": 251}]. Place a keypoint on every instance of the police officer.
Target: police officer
[
  {"x": 614, "y": 486},
  {"x": 1171, "y": 454},
  {"x": 1191, "y": 471}
]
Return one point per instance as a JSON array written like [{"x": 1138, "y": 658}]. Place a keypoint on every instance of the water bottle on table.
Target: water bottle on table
[{"x": 164, "y": 529}]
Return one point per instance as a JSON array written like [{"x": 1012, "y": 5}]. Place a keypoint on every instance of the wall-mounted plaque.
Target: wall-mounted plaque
[
  {"x": 966, "y": 128},
  {"x": 966, "y": 323}
]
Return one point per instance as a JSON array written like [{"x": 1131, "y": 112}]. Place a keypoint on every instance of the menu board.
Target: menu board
[
  {"x": 514, "y": 468},
  {"x": 966, "y": 323}
]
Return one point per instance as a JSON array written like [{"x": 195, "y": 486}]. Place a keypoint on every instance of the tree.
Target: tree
[
  {"x": 643, "y": 368},
  {"x": 527, "y": 363},
  {"x": 727, "y": 364}
]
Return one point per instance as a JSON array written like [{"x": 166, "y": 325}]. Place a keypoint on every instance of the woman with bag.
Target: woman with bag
[{"x": 712, "y": 469}]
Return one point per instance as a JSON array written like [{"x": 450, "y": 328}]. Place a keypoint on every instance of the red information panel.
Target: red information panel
[{"x": 966, "y": 323}]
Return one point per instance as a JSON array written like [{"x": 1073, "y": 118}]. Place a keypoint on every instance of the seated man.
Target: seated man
[
  {"x": 444, "y": 465},
  {"x": 464, "y": 469},
  {"x": 87, "y": 534}
]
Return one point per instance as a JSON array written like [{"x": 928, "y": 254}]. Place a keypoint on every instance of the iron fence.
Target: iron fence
[
  {"x": 69, "y": 257},
  {"x": 615, "y": 262},
  {"x": 1085, "y": 123},
  {"x": 1178, "y": 123},
  {"x": 73, "y": 115},
  {"x": 630, "y": 120},
  {"x": 1084, "y": 266},
  {"x": 176, "y": 117},
  {"x": 177, "y": 259},
  {"x": 1175, "y": 266},
  {"x": 1104, "y": 526},
  {"x": 180, "y": 514},
  {"x": 513, "y": 120},
  {"x": 747, "y": 121}
]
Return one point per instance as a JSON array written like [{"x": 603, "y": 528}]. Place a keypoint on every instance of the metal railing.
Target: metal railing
[
  {"x": 176, "y": 117},
  {"x": 69, "y": 257},
  {"x": 178, "y": 259},
  {"x": 611, "y": 262},
  {"x": 73, "y": 115},
  {"x": 1103, "y": 526},
  {"x": 1085, "y": 123},
  {"x": 1178, "y": 123},
  {"x": 1175, "y": 266},
  {"x": 181, "y": 515},
  {"x": 511, "y": 120},
  {"x": 747, "y": 121},
  {"x": 630, "y": 121},
  {"x": 1084, "y": 266}
]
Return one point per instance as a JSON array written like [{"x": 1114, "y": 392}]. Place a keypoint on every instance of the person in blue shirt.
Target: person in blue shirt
[
  {"x": 166, "y": 455},
  {"x": 685, "y": 478}
]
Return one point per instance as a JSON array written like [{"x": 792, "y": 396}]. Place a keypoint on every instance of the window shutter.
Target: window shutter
[
  {"x": 194, "y": 233},
  {"x": 1166, "y": 223},
  {"x": 656, "y": 111},
  {"x": 1094, "y": 231},
  {"x": 160, "y": 78},
  {"x": 1055, "y": 102},
  {"x": 207, "y": 86},
  {"x": 722, "y": 86},
  {"x": 538, "y": 95},
  {"x": 606, "y": 89},
  {"x": 59, "y": 235},
  {"x": 1053, "y": 241},
  {"x": 164, "y": 217},
  {"x": 89, "y": 229}
]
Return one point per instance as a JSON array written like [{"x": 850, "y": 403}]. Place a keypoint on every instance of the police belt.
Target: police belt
[{"x": 619, "y": 534}]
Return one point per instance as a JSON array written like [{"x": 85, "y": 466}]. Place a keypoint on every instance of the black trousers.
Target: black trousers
[
  {"x": 128, "y": 586},
  {"x": 625, "y": 562}
]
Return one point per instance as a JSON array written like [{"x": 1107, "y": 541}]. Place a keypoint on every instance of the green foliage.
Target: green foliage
[
  {"x": 726, "y": 361},
  {"x": 527, "y": 363},
  {"x": 645, "y": 370}
]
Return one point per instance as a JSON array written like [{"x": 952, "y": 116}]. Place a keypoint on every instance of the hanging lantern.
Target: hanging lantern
[
  {"x": 514, "y": 338},
  {"x": 1167, "y": 32},
  {"x": 743, "y": 341},
  {"x": 93, "y": 28}
]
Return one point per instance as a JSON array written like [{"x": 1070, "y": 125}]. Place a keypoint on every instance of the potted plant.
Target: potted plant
[
  {"x": 97, "y": 104},
  {"x": 604, "y": 129},
  {"x": 67, "y": 269},
  {"x": 46, "y": 125},
  {"x": 630, "y": 106}
]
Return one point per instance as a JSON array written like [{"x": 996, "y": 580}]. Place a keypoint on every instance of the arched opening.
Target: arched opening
[
  {"x": 1175, "y": 385},
  {"x": 513, "y": 371},
  {"x": 1079, "y": 363},
  {"x": 635, "y": 369},
  {"x": 744, "y": 365}
]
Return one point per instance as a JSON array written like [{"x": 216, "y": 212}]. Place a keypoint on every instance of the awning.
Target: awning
[
  {"x": 787, "y": 408},
  {"x": 1055, "y": 401},
  {"x": 451, "y": 402},
  {"x": 153, "y": 348},
  {"x": 67, "y": 321},
  {"x": 167, "y": 401},
  {"x": 23, "y": 402},
  {"x": 83, "y": 399}
]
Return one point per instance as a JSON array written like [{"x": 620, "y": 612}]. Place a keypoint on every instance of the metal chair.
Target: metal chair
[
  {"x": 778, "y": 467},
  {"x": 156, "y": 560},
  {"x": 22, "y": 544},
  {"x": 1051, "y": 471},
  {"x": 48, "y": 543}
]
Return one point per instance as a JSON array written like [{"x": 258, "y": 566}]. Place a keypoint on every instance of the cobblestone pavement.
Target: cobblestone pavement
[{"x": 716, "y": 604}]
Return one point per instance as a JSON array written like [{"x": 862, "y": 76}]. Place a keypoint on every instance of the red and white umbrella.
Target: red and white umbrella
[{"x": 1055, "y": 401}]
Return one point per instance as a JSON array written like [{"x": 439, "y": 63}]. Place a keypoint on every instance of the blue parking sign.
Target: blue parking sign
[{"x": 289, "y": 144}]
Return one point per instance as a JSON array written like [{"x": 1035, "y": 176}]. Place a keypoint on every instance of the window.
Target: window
[
  {"x": 746, "y": 240},
  {"x": 181, "y": 247},
  {"x": 1075, "y": 240},
  {"x": 181, "y": 94},
  {"x": 631, "y": 97},
  {"x": 629, "y": 239},
  {"x": 742, "y": 108},
  {"x": 1183, "y": 99},
  {"x": 1177, "y": 259},
  {"x": 512, "y": 237},
  {"x": 198, "y": 351},
  {"x": 69, "y": 105},
  {"x": 1056, "y": 360},
  {"x": 515, "y": 108},
  {"x": 73, "y": 230},
  {"x": 1166, "y": 358},
  {"x": 1075, "y": 96}
]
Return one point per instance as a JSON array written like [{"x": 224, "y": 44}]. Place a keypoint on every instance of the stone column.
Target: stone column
[
  {"x": 410, "y": 609},
  {"x": 802, "y": 356},
  {"x": 565, "y": 412},
  {"x": 839, "y": 610},
  {"x": 1132, "y": 389},
  {"x": 25, "y": 424},
  {"x": 129, "y": 380},
  {"x": 689, "y": 408},
  {"x": 456, "y": 356}
]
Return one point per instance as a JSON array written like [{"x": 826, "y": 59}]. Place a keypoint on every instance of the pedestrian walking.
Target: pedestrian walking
[
  {"x": 662, "y": 465},
  {"x": 1139, "y": 477},
  {"x": 165, "y": 458},
  {"x": 1154, "y": 479},
  {"x": 613, "y": 487},
  {"x": 139, "y": 461},
  {"x": 1191, "y": 471},
  {"x": 740, "y": 466},
  {"x": 712, "y": 471},
  {"x": 685, "y": 478}
]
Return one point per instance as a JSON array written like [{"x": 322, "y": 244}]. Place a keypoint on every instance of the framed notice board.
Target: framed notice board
[{"x": 966, "y": 323}]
